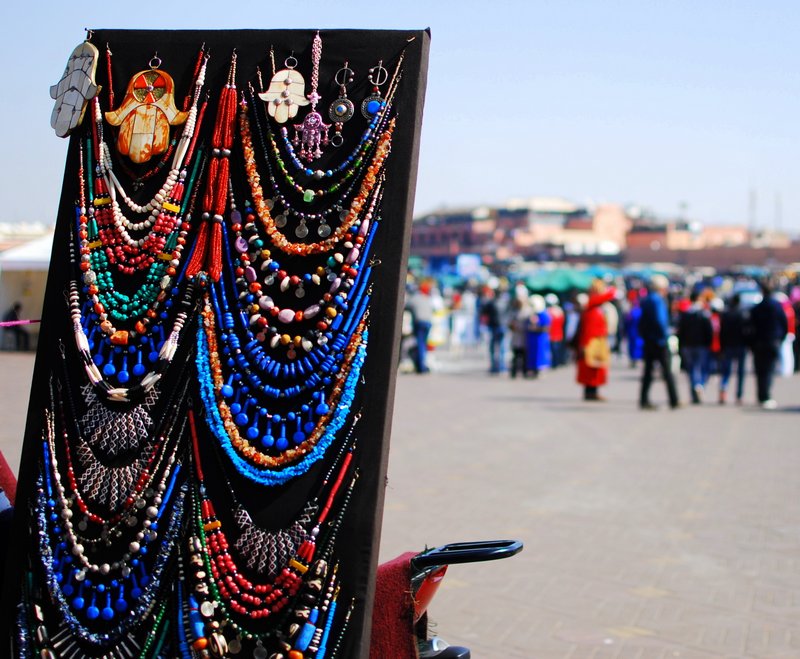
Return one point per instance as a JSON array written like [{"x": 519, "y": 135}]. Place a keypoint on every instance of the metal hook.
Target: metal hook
[
  {"x": 89, "y": 33},
  {"x": 155, "y": 61}
]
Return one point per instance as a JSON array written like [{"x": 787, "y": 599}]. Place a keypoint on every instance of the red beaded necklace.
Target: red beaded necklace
[
  {"x": 207, "y": 254},
  {"x": 247, "y": 598}
]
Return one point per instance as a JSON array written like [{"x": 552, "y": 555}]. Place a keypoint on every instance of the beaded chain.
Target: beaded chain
[
  {"x": 223, "y": 594},
  {"x": 371, "y": 178},
  {"x": 129, "y": 253}
]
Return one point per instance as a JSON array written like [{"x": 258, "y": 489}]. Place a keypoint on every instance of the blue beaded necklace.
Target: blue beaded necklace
[{"x": 326, "y": 428}]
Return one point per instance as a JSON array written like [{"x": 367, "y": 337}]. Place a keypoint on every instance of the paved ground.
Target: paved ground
[{"x": 647, "y": 534}]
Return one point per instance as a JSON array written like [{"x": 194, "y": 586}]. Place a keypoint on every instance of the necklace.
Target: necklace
[
  {"x": 161, "y": 208},
  {"x": 235, "y": 601},
  {"x": 371, "y": 178},
  {"x": 207, "y": 254},
  {"x": 276, "y": 431},
  {"x": 102, "y": 602}
]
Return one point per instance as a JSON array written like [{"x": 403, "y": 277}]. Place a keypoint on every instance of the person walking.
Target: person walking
[
  {"x": 557, "y": 322},
  {"x": 539, "y": 356},
  {"x": 421, "y": 306},
  {"x": 633, "y": 338},
  {"x": 518, "y": 326},
  {"x": 733, "y": 337},
  {"x": 594, "y": 354},
  {"x": 494, "y": 311},
  {"x": 770, "y": 326},
  {"x": 654, "y": 330},
  {"x": 694, "y": 336}
]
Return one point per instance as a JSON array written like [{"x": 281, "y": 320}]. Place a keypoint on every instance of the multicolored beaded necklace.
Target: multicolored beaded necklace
[
  {"x": 226, "y": 595},
  {"x": 101, "y": 603}
]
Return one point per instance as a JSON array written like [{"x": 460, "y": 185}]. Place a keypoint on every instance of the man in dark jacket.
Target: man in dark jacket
[
  {"x": 694, "y": 334},
  {"x": 654, "y": 330},
  {"x": 768, "y": 320},
  {"x": 734, "y": 334}
]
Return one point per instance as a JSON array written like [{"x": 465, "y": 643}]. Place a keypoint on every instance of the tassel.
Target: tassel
[
  {"x": 207, "y": 254},
  {"x": 195, "y": 264}
]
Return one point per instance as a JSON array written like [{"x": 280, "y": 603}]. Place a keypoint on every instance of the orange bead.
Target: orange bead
[{"x": 200, "y": 644}]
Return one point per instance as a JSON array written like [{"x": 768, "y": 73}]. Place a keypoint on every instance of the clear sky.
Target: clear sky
[{"x": 660, "y": 104}]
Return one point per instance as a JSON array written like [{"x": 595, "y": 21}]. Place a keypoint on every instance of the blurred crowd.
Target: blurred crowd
[{"x": 709, "y": 329}]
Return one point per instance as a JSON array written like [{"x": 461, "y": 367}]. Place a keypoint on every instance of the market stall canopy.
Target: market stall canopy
[
  {"x": 34, "y": 256},
  {"x": 560, "y": 280}
]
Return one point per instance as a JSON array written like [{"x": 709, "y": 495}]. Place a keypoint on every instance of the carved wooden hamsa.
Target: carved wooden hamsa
[{"x": 146, "y": 114}]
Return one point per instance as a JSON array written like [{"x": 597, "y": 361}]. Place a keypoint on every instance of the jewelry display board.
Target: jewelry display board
[{"x": 205, "y": 454}]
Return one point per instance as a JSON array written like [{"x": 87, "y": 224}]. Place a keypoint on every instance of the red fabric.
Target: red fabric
[
  {"x": 790, "y": 316},
  {"x": 393, "y": 612},
  {"x": 8, "y": 481},
  {"x": 716, "y": 346},
  {"x": 556, "y": 324},
  {"x": 593, "y": 325}
]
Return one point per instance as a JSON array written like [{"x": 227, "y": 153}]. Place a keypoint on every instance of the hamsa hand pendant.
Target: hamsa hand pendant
[
  {"x": 145, "y": 115},
  {"x": 75, "y": 89}
]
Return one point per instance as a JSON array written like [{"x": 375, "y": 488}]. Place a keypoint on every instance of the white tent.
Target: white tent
[{"x": 23, "y": 275}]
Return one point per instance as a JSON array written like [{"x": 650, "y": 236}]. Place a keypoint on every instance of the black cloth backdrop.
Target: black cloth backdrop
[{"x": 132, "y": 50}]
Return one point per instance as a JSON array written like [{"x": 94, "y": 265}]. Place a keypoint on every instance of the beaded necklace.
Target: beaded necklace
[
  {"x": 123, "y": 487},
  {"x": 343, "y": 275},
  {"x": 207, "y": 254},
  {"x": 126, "y": 589},
  {"x": 290, "y": 372},
  {"x": 299, "y": 438},
  {"x": 160, "y": 358},
  {"x": 237, "y": 601},
  {"x": 140, "y": 307},
  {"x": 34, "y": 639},
  {"x": 371, "y": 178},
  {"x": 128, "y": 253}
]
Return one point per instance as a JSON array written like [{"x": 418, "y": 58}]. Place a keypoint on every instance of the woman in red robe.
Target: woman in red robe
[{"x": 594, "y": 356}]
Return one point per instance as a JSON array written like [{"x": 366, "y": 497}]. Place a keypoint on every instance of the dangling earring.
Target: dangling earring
[
  {"x": 286, "y": 92},
  {"x": 342, "y": 109},
  {"x": 312, "y": 134},
  {"x": 373, "y": 103}
]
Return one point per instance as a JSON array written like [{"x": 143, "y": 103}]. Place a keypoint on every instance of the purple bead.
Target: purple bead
[{"x": 241, "y": 245}]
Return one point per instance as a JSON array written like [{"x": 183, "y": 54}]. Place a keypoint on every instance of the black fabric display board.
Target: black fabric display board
[{"x": 58, "y": 360}]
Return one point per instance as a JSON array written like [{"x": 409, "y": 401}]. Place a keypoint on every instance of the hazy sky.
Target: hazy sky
[{"x": 654, "y": 103}]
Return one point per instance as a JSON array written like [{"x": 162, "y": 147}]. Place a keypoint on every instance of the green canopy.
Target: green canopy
[{"x": 560, "y": 280}]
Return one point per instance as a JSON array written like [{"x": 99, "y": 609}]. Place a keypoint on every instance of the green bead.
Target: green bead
[{"x": 308, "y": 196}]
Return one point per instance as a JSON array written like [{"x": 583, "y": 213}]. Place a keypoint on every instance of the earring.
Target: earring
[
  {"x": 342, "y": 109},
  {"x": 312, "y": 134},
  {"x": 373, "y": 103}
]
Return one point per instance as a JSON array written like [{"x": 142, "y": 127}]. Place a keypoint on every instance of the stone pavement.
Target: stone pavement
[{"x": 647, "y": 535}]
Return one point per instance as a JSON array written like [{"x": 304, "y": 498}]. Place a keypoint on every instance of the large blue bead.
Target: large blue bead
[
  {"x": 268, "y": 441},
  {"x": 92, "y": 612},
  {"x": 107, "y": 613}
]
